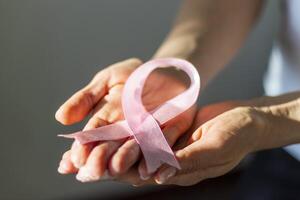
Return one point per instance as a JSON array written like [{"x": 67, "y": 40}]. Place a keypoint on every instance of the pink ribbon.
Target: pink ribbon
[{"x": 142, "y": 125}]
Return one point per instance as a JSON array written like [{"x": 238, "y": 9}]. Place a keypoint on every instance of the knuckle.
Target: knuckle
[
  {"x": 66, "y": 155},
  {"x": 115, "y": 116},
  {"x": 136, "y": 183},
  {"x": 104, "y": 114},
  {"x": 183, "y": 154},
  {"x": 128, "y": 152},
  {"x": 101, "y": 149},
  {"x": 126, "y": 156},
  {"x": 196, "y": 135},
  {"x": 75, "y": 146},
  {"x": 119, "y": 162},
  {"x": 135, "y": 60},
  {"x": 88, "y": 96},
  {"x": 95, "y": 122}
]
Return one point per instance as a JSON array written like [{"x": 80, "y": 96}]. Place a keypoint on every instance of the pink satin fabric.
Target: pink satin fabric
[{"x": 144, "y": 126}]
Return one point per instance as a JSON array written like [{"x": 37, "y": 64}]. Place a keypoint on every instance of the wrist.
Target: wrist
[
  {"x": 271, "y": 129},
  {"x": 258, "y": 123},
  {"x": 264, "y": 132},
  {"x": 282, "y": 120}
]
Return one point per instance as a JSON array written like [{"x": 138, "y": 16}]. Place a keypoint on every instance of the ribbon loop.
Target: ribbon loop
[{"x": 145, "y": 126}]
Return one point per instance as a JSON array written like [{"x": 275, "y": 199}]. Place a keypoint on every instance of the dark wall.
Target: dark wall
[{"x": 49, "y": 49}]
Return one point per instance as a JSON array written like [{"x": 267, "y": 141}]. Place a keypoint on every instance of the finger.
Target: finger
[
  {"x": 192, "y": 158},
  {"x": 109, "y": 108},
  {"x": 171, "y": 134},
  {"x": 124, "y": 158},
  {"x": 128, "y": 154},
  {"x": 172, "y": 131},
  {"x": 168, "y": 177},
  {"x": 120, "y": 71},
  {"x": 183, "y": 123},
  {"x": 194, "y": 136},
  {"x": 81, "y": 103},
  {"x": 65, "y": 165},
  {"x": 80, "y": 152},
  {"x": 96, "y": 163},
  {"x": 132, "y": 177},
  {"x": 107, "y": 111}
]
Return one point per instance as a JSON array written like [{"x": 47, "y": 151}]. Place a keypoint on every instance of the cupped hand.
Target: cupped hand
[
  {"x": 216, "y": 146},
  {"x": 221, "y": 136},
  {"x": 102, "y": 99}
]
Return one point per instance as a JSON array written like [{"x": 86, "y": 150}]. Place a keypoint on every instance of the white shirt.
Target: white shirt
[{"x": 283, "y": 74}]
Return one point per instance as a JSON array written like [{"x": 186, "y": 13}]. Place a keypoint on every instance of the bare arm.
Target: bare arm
[
  {"x": 209, "y": 33},
  {"x": 282, "y": 114}
]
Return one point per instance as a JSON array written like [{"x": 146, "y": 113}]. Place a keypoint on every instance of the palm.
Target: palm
[{"x": 160, "y": 87}]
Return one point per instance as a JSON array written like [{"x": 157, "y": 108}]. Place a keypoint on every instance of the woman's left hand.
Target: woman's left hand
[{"x": 223, "y": 135}]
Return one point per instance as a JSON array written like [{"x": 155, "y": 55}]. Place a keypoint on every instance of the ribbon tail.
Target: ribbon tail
[
  {"x": 155, "y": 159},
  {"x": 114, "y": 131},
  {"x": 154, "y": 146}
]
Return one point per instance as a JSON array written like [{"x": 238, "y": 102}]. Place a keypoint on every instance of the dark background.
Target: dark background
[{"x": 49, "y": 49}]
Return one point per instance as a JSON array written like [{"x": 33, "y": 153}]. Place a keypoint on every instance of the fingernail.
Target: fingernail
[
  {"x": 136, "y": 185},
  {"x": 106, "y": 176},
  {"x": 143, "y": 174},
  {"x": 62, "y": 168},
  {"x": 84, "y": 175},
  {"x": 144, "y": 177},
  {"x": 165, "y": 175},
  {"x": 58, "y": 114}
]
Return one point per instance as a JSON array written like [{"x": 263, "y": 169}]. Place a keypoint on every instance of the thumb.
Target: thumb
[{"x": 194, "y": 159}]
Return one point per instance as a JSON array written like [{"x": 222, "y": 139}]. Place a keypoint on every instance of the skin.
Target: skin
[
  {"x": 218, "y": 145},
  {"x": 208, "y": 34},
  {"x": 102, "y": 98},
  {"x": 224, "y": 133}
]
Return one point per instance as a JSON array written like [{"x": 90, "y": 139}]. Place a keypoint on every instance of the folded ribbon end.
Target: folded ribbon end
[
  {"x": 155, "y": 160},
  {"x": 66, "y": 135},
  {"x": 77, "y": 136}
]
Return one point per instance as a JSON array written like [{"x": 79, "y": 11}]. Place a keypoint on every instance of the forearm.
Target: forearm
[
  {"x": 281, "y": 117},
  {"x": 208, "y": 33}
]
